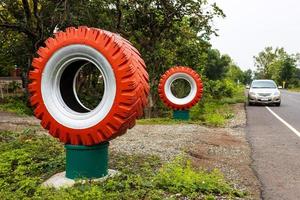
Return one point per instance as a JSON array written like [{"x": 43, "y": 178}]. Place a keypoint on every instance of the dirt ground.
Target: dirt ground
[{"x": 224, "y": 148}]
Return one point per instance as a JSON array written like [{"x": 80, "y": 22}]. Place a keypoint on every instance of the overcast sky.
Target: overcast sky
[{"x": 251, "y": 25}]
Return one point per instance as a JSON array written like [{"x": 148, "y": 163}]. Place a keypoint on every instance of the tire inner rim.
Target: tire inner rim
[
  {"x": 58, "y": 86},
  {"x": 180, "y": 101}
]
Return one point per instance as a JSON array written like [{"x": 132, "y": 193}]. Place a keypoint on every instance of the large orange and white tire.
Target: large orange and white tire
[
  {"x": 175, "y": 73},
  {"x": 52, "y": 86}
]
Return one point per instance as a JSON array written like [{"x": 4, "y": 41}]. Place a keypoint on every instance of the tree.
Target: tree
[
  {"x": 235, "y": 73},
  {"x": 275, "y": 64},
  {"x": 263, "y": 62},
  {"x": 297, "y": 73},
  {"x": 24, "y": 26},
  {"x": 288, "y": 69},
  {"x": 247, "y": 76},
  {"x": 166, "y": 32},
  {"x": 216, "y": 65}
]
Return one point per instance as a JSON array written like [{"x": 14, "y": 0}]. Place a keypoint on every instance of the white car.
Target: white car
[{"x": 264, "y": 92}]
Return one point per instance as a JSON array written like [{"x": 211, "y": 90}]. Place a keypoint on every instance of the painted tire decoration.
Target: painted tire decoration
[
  {"x": 52, "y": 85},
  {"x": 175, "y": 73}
]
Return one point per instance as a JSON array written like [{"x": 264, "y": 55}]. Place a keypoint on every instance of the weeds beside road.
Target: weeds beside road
[{"x": 294, "y": 89}]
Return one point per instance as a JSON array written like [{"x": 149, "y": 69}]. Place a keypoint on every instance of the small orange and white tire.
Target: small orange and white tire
[
  {"x": 52, "y": 86},
  {"x": 175, "y": 73}
]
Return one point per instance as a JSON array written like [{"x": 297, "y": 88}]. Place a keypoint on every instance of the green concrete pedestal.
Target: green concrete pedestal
[
  {"x": 181, "y": 114},
  {"x": 87, "y": 162}
]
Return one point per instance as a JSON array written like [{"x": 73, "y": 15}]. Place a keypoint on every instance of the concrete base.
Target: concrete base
[{"x": 60, "y": 180}]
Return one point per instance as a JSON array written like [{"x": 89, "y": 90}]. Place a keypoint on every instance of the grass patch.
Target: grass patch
[
  {"x": 27, "y": 159},
  {"x": 213, "y": 113},
  {"x": 16, "y": 105},
  {"x": 294, "y": 89},
  {"x": 163, "y": 121},
  {"x": 216, "y": 112}
]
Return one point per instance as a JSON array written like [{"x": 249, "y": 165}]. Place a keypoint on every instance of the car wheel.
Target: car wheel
[
  {"x": 278, "y": 104},
  {"x": 250, "y": 104}
]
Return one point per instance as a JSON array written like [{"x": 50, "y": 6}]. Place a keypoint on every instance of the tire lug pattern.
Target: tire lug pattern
[
  {"x": 131, "y": 77},
  {"x": 190, "y": 72}
]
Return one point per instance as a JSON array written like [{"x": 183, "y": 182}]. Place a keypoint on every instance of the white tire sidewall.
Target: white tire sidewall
[
  {"x": 180, "y": 101},
  {"x": 50, "y": 90}
]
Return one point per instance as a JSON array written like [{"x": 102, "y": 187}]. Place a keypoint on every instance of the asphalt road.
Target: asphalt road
[{"x": 276, "y": 147}]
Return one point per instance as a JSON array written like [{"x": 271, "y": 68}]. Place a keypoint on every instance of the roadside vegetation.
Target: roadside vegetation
[
  {"x": 28, "y": 159},
  {"x": 295, "y": 89},
  {"x": 278, "y": 65},
  {"x": 15, "y": 104},
  {"x": 215, "y": 109}
]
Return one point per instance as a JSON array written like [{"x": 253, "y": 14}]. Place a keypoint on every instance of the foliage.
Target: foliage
[
  {"x": 219, "y": 88},
  {"x": 13, "y": 51},
  {"x": 27, "y": 159},
  {"x": 216, "y": 110},
  {"x": 14, "y": 86},
  {"x": 235, "y": 74},
  {"x": 212, "y": 113},
  {"x": 167, "y": 33},
  {"x": 275, "y": 64},
  {"x": 16, "y": 105},
  {"x": 179, "y": 177},
  {"x": 263, "y": 62},
  {"x": 217, "y": 65},
  {"x": 295, "y": 80},
  {"x": 247, "y": 77},
  {"x": 294, "y": 89},
  {"x": 288, "y": 69}
]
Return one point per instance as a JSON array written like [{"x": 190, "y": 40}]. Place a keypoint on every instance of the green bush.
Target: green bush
[
  {"x": 214, "y": 109},
  {"x": 219, "y": 88},
  {"x": 179, "y": 177},
  {"x": 294, "y": 89},
  {"x": 14, "y": 86},
  {"x": 16, "y": 105},
  {"x": 215, "y": 119},
  {"x": 25, "y": 161}
]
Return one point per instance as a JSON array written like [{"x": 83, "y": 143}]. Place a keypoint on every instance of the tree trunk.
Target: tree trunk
[{"x": 24, "y": 77}]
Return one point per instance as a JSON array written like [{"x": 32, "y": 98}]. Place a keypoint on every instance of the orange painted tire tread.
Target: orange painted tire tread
[
  {"x": 131, "y": 79},
  {"x": 191, "y": 73}
]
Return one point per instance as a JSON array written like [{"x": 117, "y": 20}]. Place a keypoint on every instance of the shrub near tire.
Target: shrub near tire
[
  {"x": 52, "y": 85},
  {"x": 175, "y": 73}
]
